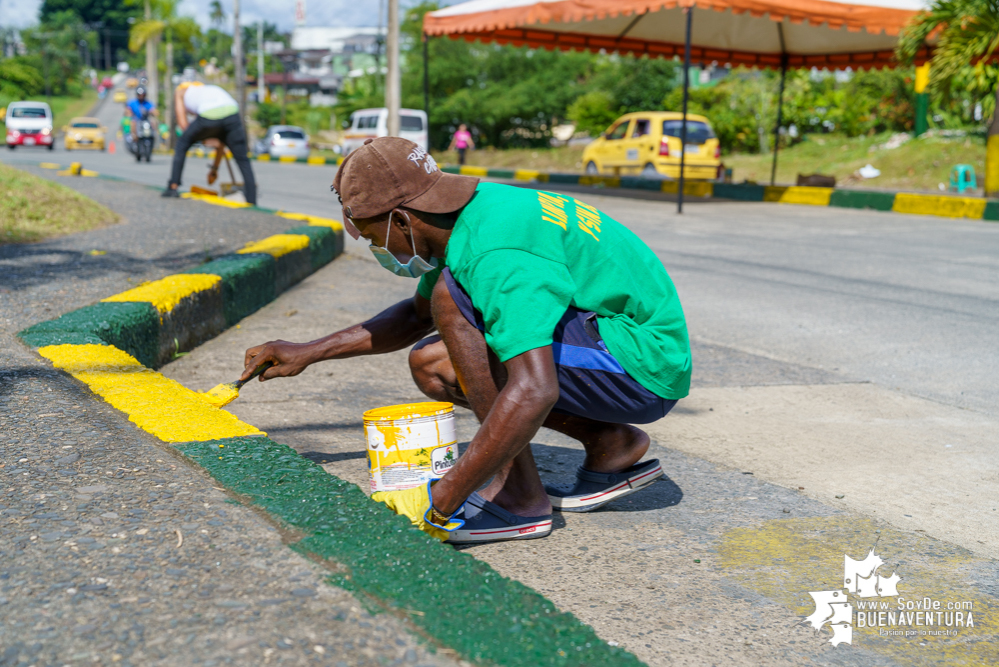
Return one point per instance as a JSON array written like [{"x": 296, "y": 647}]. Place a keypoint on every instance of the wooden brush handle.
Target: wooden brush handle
[{"x": 257, "y": 371}]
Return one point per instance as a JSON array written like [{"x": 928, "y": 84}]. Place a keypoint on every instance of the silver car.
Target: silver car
[{"x": 284, "y": 141}]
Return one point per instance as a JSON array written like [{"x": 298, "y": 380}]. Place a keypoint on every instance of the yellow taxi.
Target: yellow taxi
[
  {"x": 647, "y": 143},
  {"x": 131, "y": 82},
  {"x": 120, "y": 97},
  {"x": 84, "y": 132}
]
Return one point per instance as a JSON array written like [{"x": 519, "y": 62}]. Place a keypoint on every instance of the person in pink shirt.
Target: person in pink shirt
[{"x": 461, "y": 142}]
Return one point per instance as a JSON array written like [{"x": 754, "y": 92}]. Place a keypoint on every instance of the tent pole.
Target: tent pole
[
  {"x": 683, "y": 124},
  {"x": 780, "y": 102}
]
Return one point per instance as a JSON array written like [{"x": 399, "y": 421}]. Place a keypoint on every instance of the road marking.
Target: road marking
[
  {"x": 167, "y": 292},
  {"x": 156, "y": 404}
]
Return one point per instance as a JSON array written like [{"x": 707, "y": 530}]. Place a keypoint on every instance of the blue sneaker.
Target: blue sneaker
[
  {"x": 488, "y": 522},
  {"x": 596, "y": 489}
]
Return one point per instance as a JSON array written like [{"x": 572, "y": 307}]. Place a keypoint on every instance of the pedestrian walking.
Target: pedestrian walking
[
  {"x": 216, "y": 123},
  {"x": 461, "y": 141}
]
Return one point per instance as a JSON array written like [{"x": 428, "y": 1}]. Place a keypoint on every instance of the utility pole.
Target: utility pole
[
  {"x": 260, "y": 62},
  {"x": 152, "y": 67},
  {"x": 393, "y": 87},
  {"x": 237, "y": 44},
  {"x": 107, "y": 49},
  {"x": 168, "y": 88}
]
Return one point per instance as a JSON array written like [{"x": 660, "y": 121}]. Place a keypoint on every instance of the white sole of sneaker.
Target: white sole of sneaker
[
  {"x": 530, "y": 531},
  {"x": 597, "y": 500}
]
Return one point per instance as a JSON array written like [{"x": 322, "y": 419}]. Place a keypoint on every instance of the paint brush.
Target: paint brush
[{"x": 224, "y": 394}]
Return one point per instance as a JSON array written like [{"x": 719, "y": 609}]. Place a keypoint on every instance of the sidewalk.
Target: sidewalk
[{"x": 113, "y": 549}]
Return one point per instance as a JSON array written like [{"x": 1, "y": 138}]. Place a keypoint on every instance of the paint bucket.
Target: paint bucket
[{"x": 409, "y": 444}]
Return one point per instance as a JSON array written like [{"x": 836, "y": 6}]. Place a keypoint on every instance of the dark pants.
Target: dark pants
[
  {"x": 461, "y": 155},
  {"x": 230, "y": 132}
]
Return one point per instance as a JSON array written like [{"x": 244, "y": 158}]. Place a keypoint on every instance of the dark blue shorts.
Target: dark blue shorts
[{"x": 591, "y": 382}]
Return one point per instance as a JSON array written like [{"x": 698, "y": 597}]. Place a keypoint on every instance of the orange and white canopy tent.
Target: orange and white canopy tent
[{"x": 763, "y": 33}]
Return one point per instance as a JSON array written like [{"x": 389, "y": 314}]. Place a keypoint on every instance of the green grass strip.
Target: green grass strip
[
  {"x": 247, "y": 283},
  {"x": 465, "y": 604},
  {"x": 133, "y": 327}
]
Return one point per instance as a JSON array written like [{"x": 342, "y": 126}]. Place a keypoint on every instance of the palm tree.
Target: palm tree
[
  {"x": 967, "y": 36},
  {"x": 162, "y": 22}
]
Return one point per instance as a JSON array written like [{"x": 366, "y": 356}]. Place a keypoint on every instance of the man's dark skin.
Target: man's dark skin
[{"x": 511, "y": 399}]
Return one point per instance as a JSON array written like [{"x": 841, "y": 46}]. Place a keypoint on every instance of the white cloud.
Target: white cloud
[{"x": 20, "y": 13}]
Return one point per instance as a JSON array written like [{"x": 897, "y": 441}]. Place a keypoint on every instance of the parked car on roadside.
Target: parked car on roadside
[
  {"x": 283, "y": 140},
  {"x": 29, "y": 124},
  {"x": 647, "y": 143},
  {"x": 84, "y": 132},
  {"x": 365, "y": 123}
]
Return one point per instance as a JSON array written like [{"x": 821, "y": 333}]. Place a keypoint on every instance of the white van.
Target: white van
[
  {"x": 365, "y": 123},
  {"x": 29, "y": 124}
]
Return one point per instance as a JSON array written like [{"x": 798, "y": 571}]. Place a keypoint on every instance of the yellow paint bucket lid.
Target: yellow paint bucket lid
[{"x": 408, "y": 411}]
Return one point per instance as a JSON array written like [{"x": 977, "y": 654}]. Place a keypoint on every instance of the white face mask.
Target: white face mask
[{"x": 414, "y": 268}]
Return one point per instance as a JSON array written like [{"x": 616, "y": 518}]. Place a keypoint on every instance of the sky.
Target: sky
[{"x": 346, "y": 13}]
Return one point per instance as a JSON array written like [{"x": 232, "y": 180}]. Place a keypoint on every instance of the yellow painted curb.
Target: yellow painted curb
[
  {"x": 166, "y": 293},
  {"x": 156, "y": 404},
  {"x": 607, "y": 181},
  {"x": 796, "y": 194},
  {"x": 50, "y": 165},
  {"x": 287, "y": 158},
  {"x": 264, "y": 157},
  {"x": 311, "y": 220},
  {"x": 277, "y": 245},
  {"x": 481, "y": 172},
  {"x": 692, "y": 188},
  {"x": 212, "y": 199},
  {"x": 526, "y": 175},
  {"x": 947, "y": 207},
  {"x": 316, "y": 161}
]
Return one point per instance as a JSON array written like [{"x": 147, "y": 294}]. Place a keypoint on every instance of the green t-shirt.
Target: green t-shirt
[{"x": 524, "y": 256}]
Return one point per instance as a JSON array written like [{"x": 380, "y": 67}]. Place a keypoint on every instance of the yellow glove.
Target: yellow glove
[{"x": 415, "y": 504}]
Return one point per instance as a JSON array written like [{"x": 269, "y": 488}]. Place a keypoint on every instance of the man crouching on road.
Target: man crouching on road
[{"x": 548, "y": 313}]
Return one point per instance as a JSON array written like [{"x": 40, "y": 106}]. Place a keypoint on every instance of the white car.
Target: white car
[
  {"x": 372, "y": 123},
  {"x": 284, "y": 141},
  {"x": 29, "y": 124}
]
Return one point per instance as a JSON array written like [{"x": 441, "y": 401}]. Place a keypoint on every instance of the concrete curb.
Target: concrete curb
[
  {"x": 946, "y": 206},
  {"x": 450, "y": 597},
  {"x": 264, "y": 157}
]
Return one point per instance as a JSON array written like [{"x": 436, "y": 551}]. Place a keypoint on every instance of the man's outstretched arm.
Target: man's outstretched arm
[{"x": 394, "y": 328}]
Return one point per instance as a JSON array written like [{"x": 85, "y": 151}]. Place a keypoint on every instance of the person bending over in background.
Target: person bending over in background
[{"x": 216, "y": 123}]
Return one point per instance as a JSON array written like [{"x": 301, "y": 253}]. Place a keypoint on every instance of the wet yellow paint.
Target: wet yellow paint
[
  {"x": 408, "y": 411},
  {"x": 212, "y": 199},
  {"x": 165, "y": 294},
  {"x": 156, "y": 404},
  {"x": 311, "y": 220},
  {"x": 785, "y": 559},
  {"x": 277, "y": 245},
  {"x": 221, "y": 395}
]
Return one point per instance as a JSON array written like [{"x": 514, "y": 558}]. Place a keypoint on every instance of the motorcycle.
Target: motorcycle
[{"x": 145, "y": 138}]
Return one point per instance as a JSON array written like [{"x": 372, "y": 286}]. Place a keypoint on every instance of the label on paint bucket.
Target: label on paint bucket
[{"x": 409, "y": 444}]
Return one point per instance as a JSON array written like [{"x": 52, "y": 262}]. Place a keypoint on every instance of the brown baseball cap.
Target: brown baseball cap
[{"x": 388, "y": 172}]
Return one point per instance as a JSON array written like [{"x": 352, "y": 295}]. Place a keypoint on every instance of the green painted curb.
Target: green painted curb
[
  {"x": 463, "y": 603},
  {"x": 500, "y": 173},
  {"x": 879, "y": 201},
  {"x": 132, "y": 327},
  {"x": 451, "y": 169},
  {"x": 991, "y": 211},
  {"x": 565, "y": 179},
  {"x": 248, "y": 283},
  {"x": 739, "y": 192}
]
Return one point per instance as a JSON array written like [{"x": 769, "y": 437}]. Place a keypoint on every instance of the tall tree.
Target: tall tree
[
  {"x": 108, "y": 17},
  {"x": 162, "y": 21},
  {"x": 968, "y": 38},
  {"x": 216, "y": 13}
]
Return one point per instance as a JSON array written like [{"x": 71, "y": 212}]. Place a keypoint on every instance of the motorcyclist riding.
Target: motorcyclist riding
[{"x": 140, "y": 106}]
